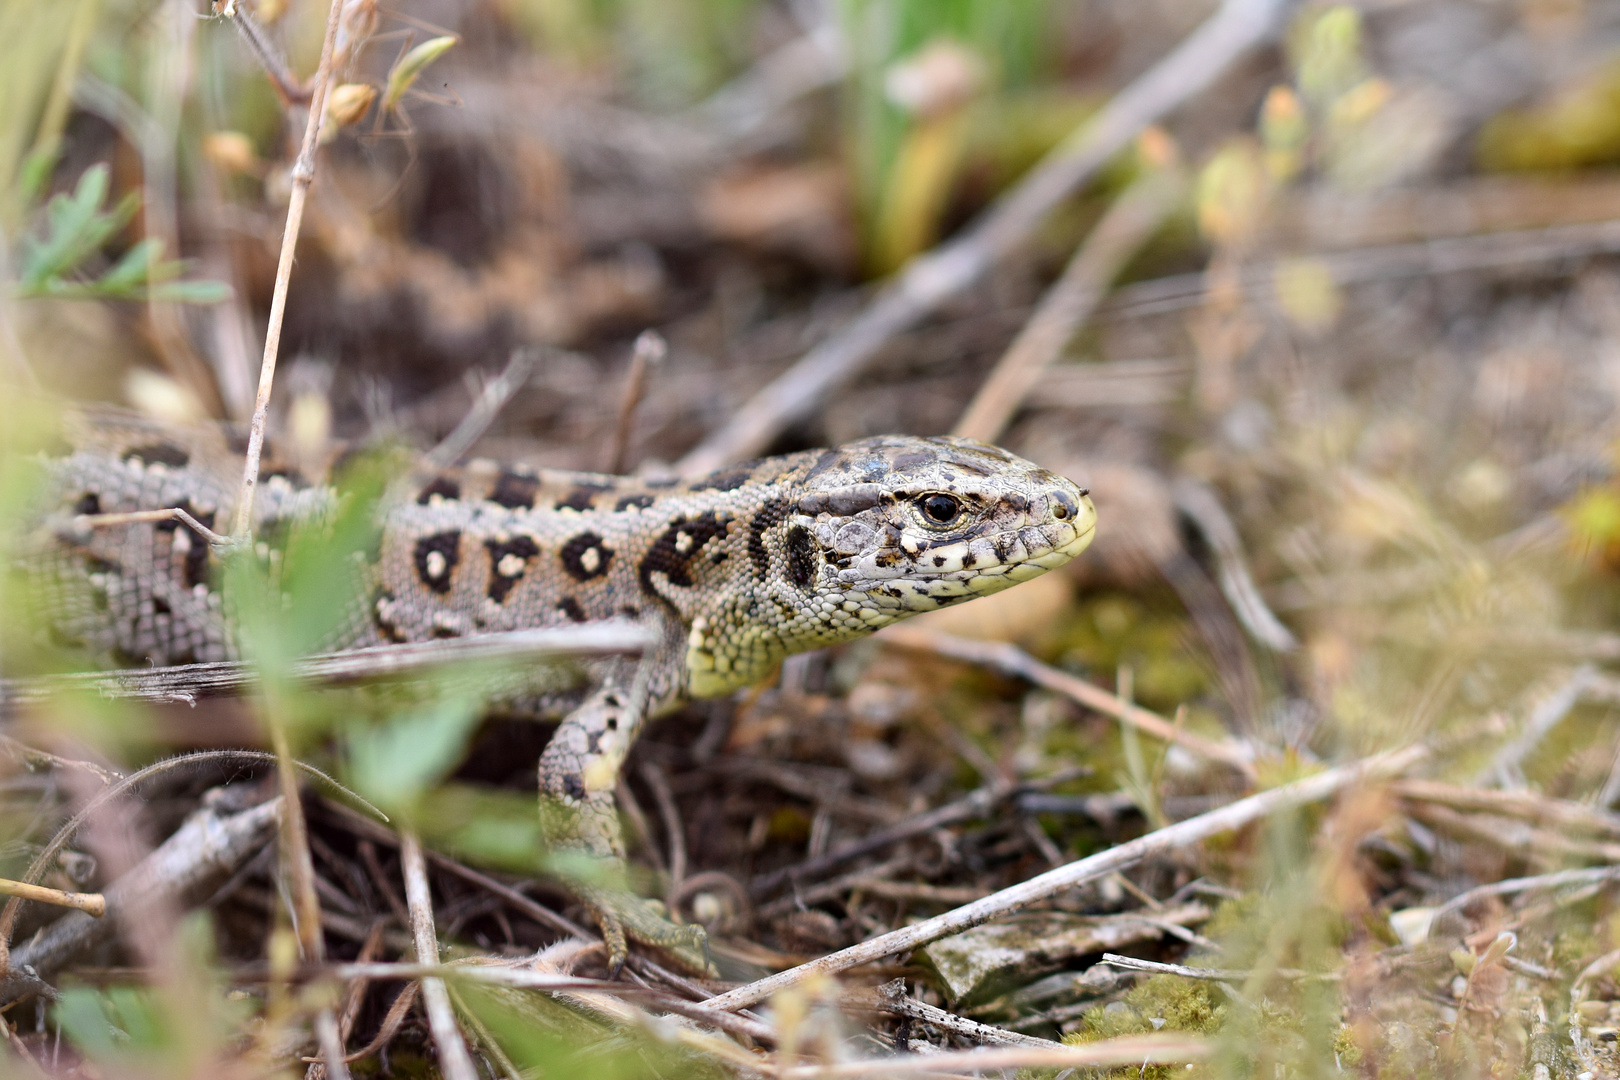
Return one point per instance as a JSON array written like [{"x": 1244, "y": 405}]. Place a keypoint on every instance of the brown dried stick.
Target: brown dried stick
[
  {"x": 934, "y": 277},
  {"x": 1134, "y": 217},
  {"x": 90, "y": 903},
  {"x": 649, "y": 352},
  {"x": 454, "y": 1060},
  {"x": 1171, "y": 837},
  {"x": 1127, "y": 1051},
  {"x": 1015, "y": 661},
  {"x": 208, "y": 847},
  {"x": 191, "y": 681},
  {"x": 303, "y": 174}
]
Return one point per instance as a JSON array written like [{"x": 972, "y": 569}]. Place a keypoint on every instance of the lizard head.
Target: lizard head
[
  {"x": 849, "y": 540},
  {"x": 896, "y": 525}
]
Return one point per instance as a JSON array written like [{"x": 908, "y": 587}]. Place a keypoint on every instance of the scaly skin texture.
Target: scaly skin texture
[{"x": 736, "y": 570}]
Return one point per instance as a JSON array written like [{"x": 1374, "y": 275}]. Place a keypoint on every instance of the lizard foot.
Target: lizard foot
[{"x": 624, "y": 917}]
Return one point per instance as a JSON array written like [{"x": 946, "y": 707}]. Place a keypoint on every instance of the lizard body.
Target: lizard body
[{"x": 735, "y": 571}]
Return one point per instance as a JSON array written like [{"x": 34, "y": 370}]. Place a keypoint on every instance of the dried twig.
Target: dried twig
[
  {"x": 670, "y": 815},
  {"x": 649, "y": 352},
  {"x": 453, "y": 1057},
  {"x": 90, "y": 903},
  {"x": 1130, "y": 1050},
  {"x": 189, "y": 682},
  {"x": 208, "y": 847},
  {"x": 1169, "y": 838},
  {"x": 485, "y": 408},
  {"x": 1565, "y": 245},
  {"x": 1132, "y": 220},
  {"x": 83, "y": 523},
  {"x": 303, "y": 174},
  {"x": 891, "y": 998},
  {"x": 934, "y": 277},
  {"x": 1233, "y": 975},
  {"x": 1504, "y": 767},
  {"x": 1015, "y": 661},
  {"x": 1560, "y": 814},
  {"x": 1203, "y": 508}
]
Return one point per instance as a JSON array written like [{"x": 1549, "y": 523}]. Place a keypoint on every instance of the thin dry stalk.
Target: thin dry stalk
[
  {"x": 891, "y": 998},
  {"x": 1130, "y": 222},
  {"x": 189, "y": 682},
  {"x": 93, "y": 904},
  {"x": 303, "y": 174},
  {"x": 936, "y": 276},
  {"x": 649, "y": 352},
  {"x": 331, "y": 1044},
  {"x": 1160, "y": 841},
  {"x": 208, "y": 847},
  {"x": 83, "y": 523},
  {"x": 1015, "y": 661},
  {"x": 453, "y": 1057},
  {"x": 1528, "y": 805},
  {"x": 1127, "y": 1051},
  {"x": 488, "y": 405},
  {"x": 670, "y": 815}
]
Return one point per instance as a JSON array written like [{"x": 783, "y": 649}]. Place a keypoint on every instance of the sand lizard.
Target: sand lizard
[{"x": 735, "y": 570}]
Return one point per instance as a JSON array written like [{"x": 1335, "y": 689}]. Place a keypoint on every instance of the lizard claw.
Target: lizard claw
[{"x": 623, "y": 917}]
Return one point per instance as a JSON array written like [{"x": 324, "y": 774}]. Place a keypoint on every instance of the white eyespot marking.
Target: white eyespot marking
[
  {"x": 436, "y": 565},
  {"x": 683, "y": 542},
  {"x": 591, "y": 558},
  {"x": 511, "y": 565}
]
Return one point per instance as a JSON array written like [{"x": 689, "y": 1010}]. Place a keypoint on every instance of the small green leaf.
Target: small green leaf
[
  {"x": 394, "y": 764},
  {"x": 192, "y": 292},
  {"x": 411, "y": 66}
]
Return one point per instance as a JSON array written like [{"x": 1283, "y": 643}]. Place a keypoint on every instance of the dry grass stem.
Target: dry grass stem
[
  {"x": 1130, "y": 1050},
  {"x": 1136, "y": 214},
  {"x": 207, "y": 848},
  {"x": 485, "y": 408},
  {"x": 649, "y": 351},
  {"x": 1015, "y": 661},
  {"x": 891, "y": 998},
  {"x": 1171, "y": 837},
  {"x": 453, "y": 1057},
  {"x": 303, "y": 174},
  {"x": 90, "y": 903},
  {"x": 189, "y": 682}
]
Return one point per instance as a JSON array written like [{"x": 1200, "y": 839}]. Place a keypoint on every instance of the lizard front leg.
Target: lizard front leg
[{"x": 578, "y": 773}]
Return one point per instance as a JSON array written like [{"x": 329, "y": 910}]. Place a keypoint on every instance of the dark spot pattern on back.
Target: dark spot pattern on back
[
  {"x": 585, "y": 557},
  {"x": 443, "y": 487},
  {"x": 802, "y": 556},
  {"x": 673, "y": 552},
  {"x": 508, "y": 559},
  {"x": 570, "y": 607},
  {"x": 160, "y": 453},
  {"x": 635, "y": 502},
  {"x": 769, "y": 515},
  {"x": 582, "y": 497},
  {"x": 436, "y": 558},
  {"x": 382, "y": 605},
  {"x": 574, "y": 786},
  {"x": 89, "y": 503},
  {"x": 515, "y": 491}
]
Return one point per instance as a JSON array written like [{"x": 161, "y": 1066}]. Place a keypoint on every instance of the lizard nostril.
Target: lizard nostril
[{"x": 1063, "y": 506}]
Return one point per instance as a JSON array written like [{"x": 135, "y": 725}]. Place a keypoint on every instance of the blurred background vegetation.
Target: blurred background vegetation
[{"x": 1382, "y": 329}]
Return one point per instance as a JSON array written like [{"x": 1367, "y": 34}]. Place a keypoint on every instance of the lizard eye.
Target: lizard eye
[{"x": 940, "y": 509}]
